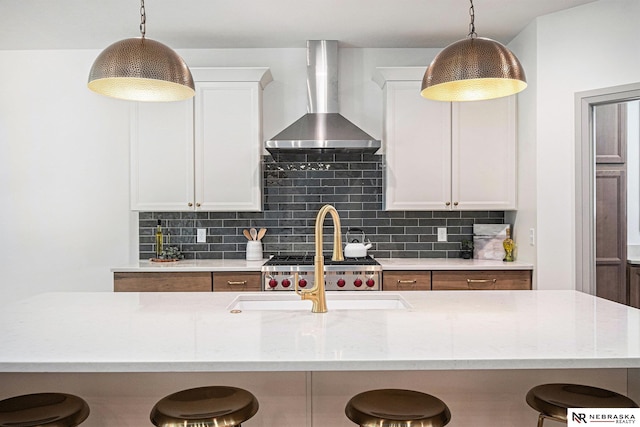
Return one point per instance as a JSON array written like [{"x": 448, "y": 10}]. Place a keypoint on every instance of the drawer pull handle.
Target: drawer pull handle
[
  {"x": 406, "y": 282},
  {"x": 240, "y": 283},
  {"x": 471, "y": 282}
]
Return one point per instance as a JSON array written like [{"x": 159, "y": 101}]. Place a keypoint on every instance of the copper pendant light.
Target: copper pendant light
[
  {"x": 473, "y": 69},
  {"x": 140, "y": 69}
]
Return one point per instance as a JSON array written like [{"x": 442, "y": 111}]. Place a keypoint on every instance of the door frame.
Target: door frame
[{"x": 585, "y": 177}]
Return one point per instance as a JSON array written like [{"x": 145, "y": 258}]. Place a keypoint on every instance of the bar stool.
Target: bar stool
[
  {"x": 553, "y": 400},
  {"x": 397, "y": 408},
  {"x": 218, "y": 406},
  {"x": 43, "y": 409}
]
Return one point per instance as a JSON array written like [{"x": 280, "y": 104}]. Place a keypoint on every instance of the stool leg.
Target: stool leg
[{"x": 540, "y": 420}]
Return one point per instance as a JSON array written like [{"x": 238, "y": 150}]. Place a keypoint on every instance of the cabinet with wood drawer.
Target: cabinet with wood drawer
[
  {"x": 481, "y": 280},
  {"x": 633, "y": 285},
  {"x": 406, "y": 280},
  {"x": 162, "y": 282},
  {"x": 237, "y": 281}
]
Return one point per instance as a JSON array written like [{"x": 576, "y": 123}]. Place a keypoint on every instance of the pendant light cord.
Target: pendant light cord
[
  {"x": 143, "y": 19},
  {"x": 472, "y": 26}
]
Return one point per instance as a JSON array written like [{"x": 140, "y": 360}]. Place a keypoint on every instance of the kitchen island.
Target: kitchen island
[{"x": 478, "y": 351}]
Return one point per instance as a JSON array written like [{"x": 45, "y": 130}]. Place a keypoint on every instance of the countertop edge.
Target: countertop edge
[
  {"x": 388, "y": 264},
  {"x": 315, "y": 366}
]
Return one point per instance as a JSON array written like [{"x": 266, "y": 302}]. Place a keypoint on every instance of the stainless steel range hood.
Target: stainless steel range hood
[{"x": 322, "y": 129}]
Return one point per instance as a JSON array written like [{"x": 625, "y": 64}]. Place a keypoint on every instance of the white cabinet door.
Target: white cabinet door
[
  {"x": 484, "y": 154},
  {"x": 162, "y": 156},
  {"x": 417, "y": 149},
  {"x": 203, "y": 153},
  {"x": 442, "y": 155},
  {"x": 228, "y": 149}
]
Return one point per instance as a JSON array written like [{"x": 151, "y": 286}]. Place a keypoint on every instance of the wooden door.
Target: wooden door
[{"x": 611, "y": 202}]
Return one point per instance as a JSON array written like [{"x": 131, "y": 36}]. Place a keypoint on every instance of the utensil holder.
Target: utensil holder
[{"x": 254, "y": 250}]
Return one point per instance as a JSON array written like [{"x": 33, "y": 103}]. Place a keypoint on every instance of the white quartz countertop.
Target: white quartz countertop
[
  {"x": 196, "y": 332},
  {"x": 450, "y": 264},
  {"x": 186, "y": 265},
  {"x": 386, "y": 263}
]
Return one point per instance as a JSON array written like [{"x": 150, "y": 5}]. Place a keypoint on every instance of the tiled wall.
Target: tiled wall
[{"x": 295, "y": 187}]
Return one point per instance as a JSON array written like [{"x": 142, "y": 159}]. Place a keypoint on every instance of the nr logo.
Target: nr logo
[{"x": 579, "y": 418}]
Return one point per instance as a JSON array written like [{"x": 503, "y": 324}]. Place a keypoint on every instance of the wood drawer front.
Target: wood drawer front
[
  {"x": 233, "y": 281},
  {"x": 481, "y": 280},
  {"x": 406, "y": 280},
  {"x": 162, "y": 282}
]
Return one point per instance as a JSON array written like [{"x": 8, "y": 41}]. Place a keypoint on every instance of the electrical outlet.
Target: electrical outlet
[
  {"x": 442, "y": 234},
  {"x": 532, "y": 236},
  {"x": 201, "y": 237}
]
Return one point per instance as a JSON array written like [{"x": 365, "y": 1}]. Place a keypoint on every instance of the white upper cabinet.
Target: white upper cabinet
[
  {"x": 484, "y": 154},
  {"x": 162, "y": 156},
  {"x": 202, "y": 154},
  {"x": 417, "y": 148},
  {"x": 442, "y": 155}
]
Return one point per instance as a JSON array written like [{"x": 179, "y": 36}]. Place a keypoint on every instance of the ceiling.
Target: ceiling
[{"x": 94, "y": 24}]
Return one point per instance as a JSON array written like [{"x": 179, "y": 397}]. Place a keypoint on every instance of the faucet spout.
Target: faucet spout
[{"x": 317, "y": 293}]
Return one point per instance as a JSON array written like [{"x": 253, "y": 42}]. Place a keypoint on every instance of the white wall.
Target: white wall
[
  {"x": 285, "y": 98},
  {"x": 63, "y": 176},
  {"x": 580, "y": 49},
  {"x": 525, "y": 218},
  {"x": 64, "y": 159}
]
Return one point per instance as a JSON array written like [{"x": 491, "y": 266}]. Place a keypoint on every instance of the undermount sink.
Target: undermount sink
[{"x": 335, "y": 301}]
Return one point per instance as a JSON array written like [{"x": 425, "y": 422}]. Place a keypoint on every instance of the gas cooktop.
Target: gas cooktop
[
  {"x": 308, "y": 259},
  {"x": 352, "y": 274}
]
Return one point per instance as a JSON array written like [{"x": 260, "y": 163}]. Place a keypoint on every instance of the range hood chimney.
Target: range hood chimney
[{"x": 322, "y": 129}]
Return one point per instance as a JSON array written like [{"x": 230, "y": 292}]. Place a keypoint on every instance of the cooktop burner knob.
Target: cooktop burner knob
[
  {"x": 286, "y": 283},
  {"x": 273, "y": 283},
  {"x": 357, "y": 283},
  {"x": 341, "y": 283},
  {"x": 302, "y": 283},
  {"x": 370, "y": 283}
]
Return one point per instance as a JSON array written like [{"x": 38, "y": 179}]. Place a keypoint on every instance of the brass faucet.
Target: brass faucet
[{"x": 317, "y": 292}]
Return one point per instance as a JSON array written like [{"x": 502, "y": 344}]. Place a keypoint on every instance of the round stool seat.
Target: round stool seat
[
  {"x": 218, "y": 406},
  {"x": 553, "y": 400},
  {"x": 397, "y": 408},
  {"x": 43, "y": 409}
]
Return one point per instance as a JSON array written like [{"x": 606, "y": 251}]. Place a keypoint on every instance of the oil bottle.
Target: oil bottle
[
  {"x": 159, "y": 239},
  {"x": 507, "y": 244}
]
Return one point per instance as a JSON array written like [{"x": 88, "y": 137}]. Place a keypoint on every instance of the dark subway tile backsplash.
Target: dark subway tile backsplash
[{"x": 295, "y": 187}]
